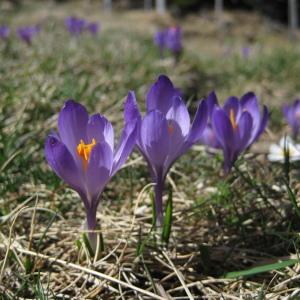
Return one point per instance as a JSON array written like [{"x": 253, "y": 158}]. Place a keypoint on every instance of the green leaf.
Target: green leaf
[
  {"x": 87, "y": 244},
  {"x": 78, "y": 244},
  {"x": 101, "y": 242},
  {"x": 286, "y": 165},
  {"x": 205, "y": 257},
  {"x": 168, "y": 218},
  {"x": 293, "y": 199},
  {"x": 262, "y": 269},
  {"x": 28, "y": 264},
  {"x": 153, "y": 209}
]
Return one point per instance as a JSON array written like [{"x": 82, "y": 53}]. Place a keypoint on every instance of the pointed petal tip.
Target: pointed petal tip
[
  {"x": 164, "y": 80},
  {"x": 131, "y": 109},
  {"x": 69, "y": 102}
]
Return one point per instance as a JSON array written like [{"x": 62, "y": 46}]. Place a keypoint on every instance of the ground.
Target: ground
[{"x": 221, "y": 223}]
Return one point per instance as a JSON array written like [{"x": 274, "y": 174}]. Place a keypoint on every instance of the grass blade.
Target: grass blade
[
  {"x": 168, "y": 218},
  {"x": 153, "y": 209},
  {"x": 293, "y": 199},
  {"x": 262, "y": 269}
]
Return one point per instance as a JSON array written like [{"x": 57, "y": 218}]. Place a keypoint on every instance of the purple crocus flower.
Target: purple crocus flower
[
  {"x": 237, "y": 125},
  {"x": 160, "y": 41},
  {"x": 174, "y": 40},
  {"x": 165, "y": 133},
  {"x": 246, "y": 52},
  {"x": 4, "y": 32},
  {"x": 75, "y": 25},
  {"x": 292, "y": 116},
  {"x": 93, "y": 28},
  {"x": 26, "y": 33},
  {"x": 83, "y": 153}
]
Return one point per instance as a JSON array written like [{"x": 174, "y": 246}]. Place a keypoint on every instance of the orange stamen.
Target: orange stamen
[
  {"x": 232, "y": 119},
  {"x": 84, "y": 150}
]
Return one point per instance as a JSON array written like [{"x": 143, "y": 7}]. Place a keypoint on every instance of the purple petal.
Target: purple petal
[
  {"x": 61, "y": 161},
  {"x": 249, "y": 100},
  {"x": 211, "y": 101},
  {"x": 199, "y": 123},
  {"x": 209, "y": 138},
  {"x": 131, "y": 109},
  {"x": 72, "y": 123},
  {"x": 245, "y": 127},
  {"x": 223, "y": 129},
  {"x": 98, "y": 171},
  {"x": 263, "y": 124},
  {"x": 285, "y": 110},
  {"x": 155, "y": 138},
  {"x": 100, "y": 129},
  {"x": 179, "y": 114},
  {"x": 160, "y": 95},
  {"x": 174, "y": 39},
  {"x": 126, "y": 145},
  {"x": 232, "y": 104}
]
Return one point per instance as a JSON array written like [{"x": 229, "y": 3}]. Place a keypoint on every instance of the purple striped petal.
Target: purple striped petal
[
  {"x": 245, "y": 129},
  {"x": 223, "y": 128},
  {"x": 211, "y": 101},
  {"x": 72, "y": 123},
  {"x": 232, "y": 104},
  {"x": 61, "y": 161},
  {"x": 126, "y": 145},
  {"x": 199, "y": 123},
  {"x": 155, "y": 138},
  {"x": 263, "y": 124},
  {"x": 131, "y": 109},
  {"x": 98, "y": 171},
  {"x": 160, "y": 95},
  {"x": 180, "y": 115},
  {"x": 100, "y": 129},
  {"x": 209, "y": 138}
]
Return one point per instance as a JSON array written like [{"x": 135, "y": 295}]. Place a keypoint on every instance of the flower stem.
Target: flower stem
[
  {"x": 91, "y": 226},
  {"x": 159, "y": 187}
]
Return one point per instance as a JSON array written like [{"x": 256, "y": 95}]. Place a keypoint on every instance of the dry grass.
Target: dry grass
[{"x": 220, "y": 224}]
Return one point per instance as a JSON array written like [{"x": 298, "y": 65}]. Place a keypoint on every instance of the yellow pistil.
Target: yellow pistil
[
  {"x": 84, "y": 150},
  {"x": 232, "y": 119}
]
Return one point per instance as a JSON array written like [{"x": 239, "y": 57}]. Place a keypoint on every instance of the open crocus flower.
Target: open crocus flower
[
  {"x": 160, "y": 41},
  {"x": 27, "y": 33},
  {"x": 165, "y": 133},
  {"x": 75, "y": 25},
  {"x": 237, "y": 125},
  {"x": 277, "y": 152},
  {"x": 174, "y": 40},
  {"x": 246, "y": 51},
  {"x": 93, "y": 28},
  {"x": 83, "y": 152},
  {"x": 292, "y": 116},
  {"x": 4, "y": 32}
]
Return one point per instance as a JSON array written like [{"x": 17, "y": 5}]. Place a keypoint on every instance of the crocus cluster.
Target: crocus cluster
[
  {"x": 83, "y": 153},
  {"x": 235, "y": 126},
  {"x": 27, "y": 33},
  {"x": 170, "y": 38},
  {"x": 76, "y": 26},
  {"x": 292, "y": 116},
  {"x": 4, "y": 32}
]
